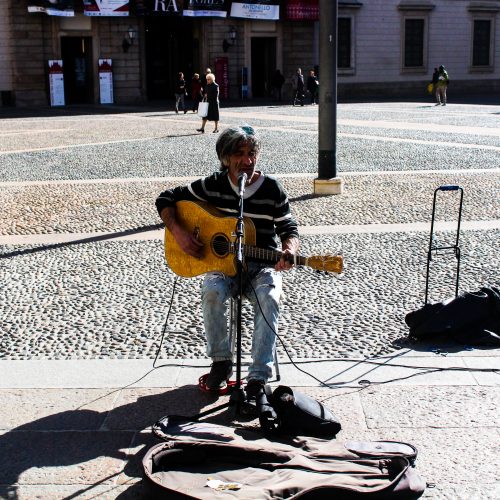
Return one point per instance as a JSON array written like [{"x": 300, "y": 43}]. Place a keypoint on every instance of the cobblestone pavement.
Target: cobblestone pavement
[
  {"x": 86, "y": 289},
  {"x": 96, "y": 176}
]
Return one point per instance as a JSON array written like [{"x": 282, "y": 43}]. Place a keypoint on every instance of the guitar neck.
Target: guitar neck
[
  {"x": 269, "y": 255},
  {"x": 326, "y": 263}
]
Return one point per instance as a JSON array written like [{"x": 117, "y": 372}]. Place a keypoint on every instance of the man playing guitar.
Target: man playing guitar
[{"x": 266, "y": 205}]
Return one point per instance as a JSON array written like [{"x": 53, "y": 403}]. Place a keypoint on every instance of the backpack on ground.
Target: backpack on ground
[
  {"x": 472, "y": 318},
  {"x": 298, "y": 415}
]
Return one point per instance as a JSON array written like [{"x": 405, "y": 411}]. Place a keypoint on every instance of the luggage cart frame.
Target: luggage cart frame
[{"x": 454, "y": 248}]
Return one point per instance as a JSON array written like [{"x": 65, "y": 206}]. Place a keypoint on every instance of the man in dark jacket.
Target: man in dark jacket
[
  {"x": 299, "y": 88},
  {"x": 180, "y": 93},
  {"x": 312, "y": 86}
]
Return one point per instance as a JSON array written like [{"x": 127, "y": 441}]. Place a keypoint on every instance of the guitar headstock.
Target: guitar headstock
[{"x": 328, "y": 263}]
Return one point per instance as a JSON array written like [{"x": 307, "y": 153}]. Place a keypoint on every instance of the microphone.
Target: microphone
[{"x": 242, "y": 179}]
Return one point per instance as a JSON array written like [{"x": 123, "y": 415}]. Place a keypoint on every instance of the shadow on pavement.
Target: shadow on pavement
[
  {"x": 168, "y": 106},
  {"x": 90, "y": 239},
  {"x": 75, "y": 437},
  {"x": 439, "y": 345}
]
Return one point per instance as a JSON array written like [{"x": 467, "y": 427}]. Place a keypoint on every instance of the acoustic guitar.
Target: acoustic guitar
[{"x": 216, "y": 231}]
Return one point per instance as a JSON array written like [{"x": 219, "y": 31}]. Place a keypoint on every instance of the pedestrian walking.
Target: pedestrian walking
[
  {"x": 298, "y": 85},
  {"x": 441, "y": 86},
  {"x": 204, "y": 77},
  {"x": 312, "y": 86},
  {"x": 432, "y": 86},
  {"x": 211, "y": 94},
  {"x": 277, "y": 84},
  {"x": 196, "y": 91},
  {"x": 180, "y": 93}
]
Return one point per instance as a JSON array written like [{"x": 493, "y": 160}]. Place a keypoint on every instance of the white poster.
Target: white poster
[
  {"x": 52, "y": 7},
  {"x": 267, "y": 10},
  {"x": 106, "y": 7},
  {"x": 106, "y": 81},
  {"x": 56, "y": 82}
]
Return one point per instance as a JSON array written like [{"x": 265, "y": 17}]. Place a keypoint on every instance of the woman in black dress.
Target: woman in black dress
[{"x": 212, "y": 97}]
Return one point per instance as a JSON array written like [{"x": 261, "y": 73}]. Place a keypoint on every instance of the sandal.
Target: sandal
[
  {"x": 215, "y": 131},
  {"x": 202, "y": 130}
]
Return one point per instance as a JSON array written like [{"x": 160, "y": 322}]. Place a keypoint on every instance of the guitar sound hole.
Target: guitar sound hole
[{"x": 220, "y": 245}]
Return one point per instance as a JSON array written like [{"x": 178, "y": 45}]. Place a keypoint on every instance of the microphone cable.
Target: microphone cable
[
  {"x": 165, "y": 326},
  {"x": 363, "y": 383}
]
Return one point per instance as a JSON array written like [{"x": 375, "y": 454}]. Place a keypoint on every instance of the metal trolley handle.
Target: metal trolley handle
[{"x": 455, "y": 248}]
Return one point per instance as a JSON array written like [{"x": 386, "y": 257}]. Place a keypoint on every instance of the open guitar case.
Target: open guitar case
[{"x": 201, "y": 460}]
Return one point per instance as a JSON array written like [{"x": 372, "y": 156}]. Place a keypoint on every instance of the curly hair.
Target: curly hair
[{"x": 231, "y": 140}]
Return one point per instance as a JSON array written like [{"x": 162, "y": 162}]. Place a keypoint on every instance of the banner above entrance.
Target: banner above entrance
[
  {"x": 268, "y": 10},
  {"x": 202, "y": 8},
  {"x": 52, "y": 7},
  {"x": 105, "y": 7}
]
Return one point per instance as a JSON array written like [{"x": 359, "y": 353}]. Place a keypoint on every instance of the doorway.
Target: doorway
[
  {"x": 76, "y": 52},
  {"x": 170, "y": 48},
  {"x": 263, "y": 65}
]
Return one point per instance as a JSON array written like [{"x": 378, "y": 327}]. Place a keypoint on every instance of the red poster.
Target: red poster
[
  {"x": 302, "y": 10},
  {"x": 222, "y": 77}
]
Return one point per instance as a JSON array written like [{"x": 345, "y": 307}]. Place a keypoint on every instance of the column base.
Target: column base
[{"x": 328, "y": 186}]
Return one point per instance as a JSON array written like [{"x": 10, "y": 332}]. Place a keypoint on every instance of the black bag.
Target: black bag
[
  {"x": 471, "y": 318},
  {"x": 299, "y": 415}
]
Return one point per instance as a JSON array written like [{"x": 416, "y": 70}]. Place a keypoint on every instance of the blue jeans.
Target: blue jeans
[{"x": 217, "y": 288}]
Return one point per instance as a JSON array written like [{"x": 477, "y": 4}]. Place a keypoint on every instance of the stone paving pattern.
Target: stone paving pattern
[{"x": 95, "y": 175}]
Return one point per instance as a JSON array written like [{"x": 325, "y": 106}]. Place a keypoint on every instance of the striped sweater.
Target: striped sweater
[{"x": 267, "y": 207}]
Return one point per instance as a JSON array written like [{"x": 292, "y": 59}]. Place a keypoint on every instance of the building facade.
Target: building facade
[{"x": 386, "y": 48}]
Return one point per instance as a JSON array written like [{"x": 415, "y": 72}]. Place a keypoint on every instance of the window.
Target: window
[
  {"x": 414, "y": 38},
  {"x": 344, "y": 43},
  {"x": 481, "y": 40},
  {"x": 414, "y": 34},
  {"x": 346, "y": 36},
  {"x": 482, "y": 48}
]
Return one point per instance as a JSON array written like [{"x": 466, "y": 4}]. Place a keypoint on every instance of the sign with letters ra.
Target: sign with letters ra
[{"x": 158, "y": 7}]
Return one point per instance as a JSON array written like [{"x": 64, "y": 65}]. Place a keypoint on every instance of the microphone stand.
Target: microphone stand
[{"x": 237, "y": 397}]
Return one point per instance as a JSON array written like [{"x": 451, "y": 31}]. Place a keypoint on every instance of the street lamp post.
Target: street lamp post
[{"x": 327, "y": 181}]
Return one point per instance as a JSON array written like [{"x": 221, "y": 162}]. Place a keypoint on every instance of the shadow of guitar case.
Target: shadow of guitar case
[{"x": 200, "y": 460}]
